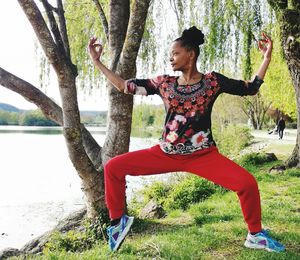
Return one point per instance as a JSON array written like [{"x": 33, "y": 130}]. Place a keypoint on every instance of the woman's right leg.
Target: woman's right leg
[
  {"x": 142, "y": 162},
  {"x": 280, "y": 131}
]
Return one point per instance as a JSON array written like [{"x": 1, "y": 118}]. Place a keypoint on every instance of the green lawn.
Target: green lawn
[{"x": 213, "y": 229}]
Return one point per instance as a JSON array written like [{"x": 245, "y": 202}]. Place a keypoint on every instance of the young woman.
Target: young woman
[{"x": 187, "y": 142}]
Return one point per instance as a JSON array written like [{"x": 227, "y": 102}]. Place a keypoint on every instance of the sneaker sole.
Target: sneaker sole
[
  {"x": 255, "y": 246},
  {"x": 124, "y": 233}
]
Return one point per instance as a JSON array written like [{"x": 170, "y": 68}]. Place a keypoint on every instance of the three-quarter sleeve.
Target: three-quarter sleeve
[
  {"x": 143, "y": 86},
  {"x": 238, "y": 87}
]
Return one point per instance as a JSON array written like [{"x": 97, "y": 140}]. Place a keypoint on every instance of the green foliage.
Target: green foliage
[
  {"x": 157, "y": 191},
  {"x": 35, "y": 118},
  {"x": 177, "y": 194},
  {"x": 95, "y": 229},
  {"x": 278, "y": 87},
  {"x": 294, "y": 172},
  {"x": 231, "y": 139},
  {"x": 71, "y": 241},
  {"x": 26, "y": 118},
  {"x": 254, "y": 159},
  {"x": 83, "y": 22},
  {"x": 74, "y": 241},
  {"x": 191, "y": 190},
  {"x": 148, "y": 119},
  {"x": 9, "y": 118},
  {"x": 228, "y": 110},
  {"x": 99, "y": 119}
]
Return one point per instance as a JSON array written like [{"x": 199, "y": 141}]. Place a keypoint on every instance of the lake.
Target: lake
[{"x": 38, "y": 184}]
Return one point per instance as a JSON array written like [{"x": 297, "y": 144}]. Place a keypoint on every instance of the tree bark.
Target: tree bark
[
  {"x": 288, "y": 15},
  {"x": 102, "y": 18}
]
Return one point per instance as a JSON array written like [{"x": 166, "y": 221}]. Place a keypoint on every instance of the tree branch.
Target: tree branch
[
  {"x": 53, "y": 53},
  {"x": 50, "y": 109},
  {"x": 102, "y": 18},
  {"x": 134, "y": 36},
  {"x": 119, "y": 10},
  {"x": 54, "y": 27},
  {"x": 63, "y": 28}
]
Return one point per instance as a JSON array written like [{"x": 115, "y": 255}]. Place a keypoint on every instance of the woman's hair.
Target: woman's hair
[{"x": 191, "y": 39}]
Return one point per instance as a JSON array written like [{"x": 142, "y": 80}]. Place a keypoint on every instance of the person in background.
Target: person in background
[
  {"x": 187, "y": 142},
  {"x": 281, "y": 127}
]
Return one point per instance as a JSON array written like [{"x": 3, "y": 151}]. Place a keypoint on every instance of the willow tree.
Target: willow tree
[
  {"x": 288, "y": 16},
  {"x": 123, "y": 31}
]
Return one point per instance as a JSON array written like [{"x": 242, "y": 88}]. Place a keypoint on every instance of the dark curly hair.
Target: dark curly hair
[{"x": 191, "y": 39}]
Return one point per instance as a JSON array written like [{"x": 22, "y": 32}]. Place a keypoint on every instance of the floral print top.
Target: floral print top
[{"x": 188, "y": 119}]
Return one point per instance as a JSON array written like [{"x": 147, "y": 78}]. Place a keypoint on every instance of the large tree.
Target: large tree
[
  {"x": 288, "y": 16},
  {"x": 124, "y": 30}
]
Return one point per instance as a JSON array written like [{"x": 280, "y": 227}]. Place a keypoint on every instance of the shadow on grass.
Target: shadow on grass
[
  {"x": 201, "y": 220},
  {"x": 147, "y": 226}
]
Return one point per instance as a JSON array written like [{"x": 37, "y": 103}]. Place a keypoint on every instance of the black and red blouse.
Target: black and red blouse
[{"x": 188, "y": 119}]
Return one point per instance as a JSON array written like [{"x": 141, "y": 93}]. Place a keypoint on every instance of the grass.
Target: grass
[
  {"x": 282, "y": 151},
  {"x": 212, "y": 229}
]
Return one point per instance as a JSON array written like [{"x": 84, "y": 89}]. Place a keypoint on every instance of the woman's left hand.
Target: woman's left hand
[{"x": 266, "y": 46}]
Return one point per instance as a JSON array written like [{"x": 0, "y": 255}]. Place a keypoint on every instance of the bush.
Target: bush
[
  {"x": 71, "y": 241},
  {"x": 178, "y": 194},
  {"x": 192, "y": 189},
  {"x": 254, "y": 159},
  {"x": 74, "y": 241},
  {"x": 232, "y": 139},
  {"x": 157, "y": 191},
  {"x": 294, "y": 172}
]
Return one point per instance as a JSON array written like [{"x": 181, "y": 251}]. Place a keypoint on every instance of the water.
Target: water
[{"x": 38, "y": 184}]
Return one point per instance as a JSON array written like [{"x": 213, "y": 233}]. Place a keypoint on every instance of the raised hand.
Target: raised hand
[
  {"x": 265, "y": 45},
  {"x": 95, "y": 49}
]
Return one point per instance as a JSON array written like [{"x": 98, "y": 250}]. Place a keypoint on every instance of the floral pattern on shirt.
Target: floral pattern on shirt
[{"x": 188, "y": 119}]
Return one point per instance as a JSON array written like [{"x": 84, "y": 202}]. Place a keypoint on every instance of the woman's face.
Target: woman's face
[{"x": 180, "y": 57}]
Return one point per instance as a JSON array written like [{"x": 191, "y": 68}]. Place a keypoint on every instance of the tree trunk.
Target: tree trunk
[
  {"x": 288, "y": 15},
  {"x": 120, "y": 105},
  {"x": 256, "y": 109}
]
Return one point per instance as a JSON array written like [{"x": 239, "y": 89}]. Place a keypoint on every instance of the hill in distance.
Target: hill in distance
[{"x": 9, "y": 108}]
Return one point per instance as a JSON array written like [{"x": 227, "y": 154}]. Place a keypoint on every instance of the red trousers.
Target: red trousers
[{"x": 208, "y": 163}]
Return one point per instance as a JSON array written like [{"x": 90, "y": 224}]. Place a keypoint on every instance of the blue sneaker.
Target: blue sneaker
[
  {"x": 262, "y": 240},
  {"x": 117, "y": 233}
]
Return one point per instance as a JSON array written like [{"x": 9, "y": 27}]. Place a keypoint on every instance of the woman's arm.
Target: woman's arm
[
  {"x": 241, "y": 87},
  {"x": 266, "y": 46},
  {"x": 95, "y": 51}
]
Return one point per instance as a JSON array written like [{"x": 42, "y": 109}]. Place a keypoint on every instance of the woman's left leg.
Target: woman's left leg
[{"x": 217, "y": 168}]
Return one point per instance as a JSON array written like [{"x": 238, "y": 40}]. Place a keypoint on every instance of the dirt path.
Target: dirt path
[
  {"x": 264, "y": 142},
  {"x": 289, "y": 136}
]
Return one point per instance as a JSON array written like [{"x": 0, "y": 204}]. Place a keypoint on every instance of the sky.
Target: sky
[{"x": 17, "y": 55}]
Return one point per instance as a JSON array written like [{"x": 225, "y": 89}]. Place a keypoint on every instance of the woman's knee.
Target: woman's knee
[
  {"x": 111, "y": 166},
  {"x": 248, "y": 183}
]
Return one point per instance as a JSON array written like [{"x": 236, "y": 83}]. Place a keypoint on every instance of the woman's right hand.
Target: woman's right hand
[{"x": 95, "y": 49}]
